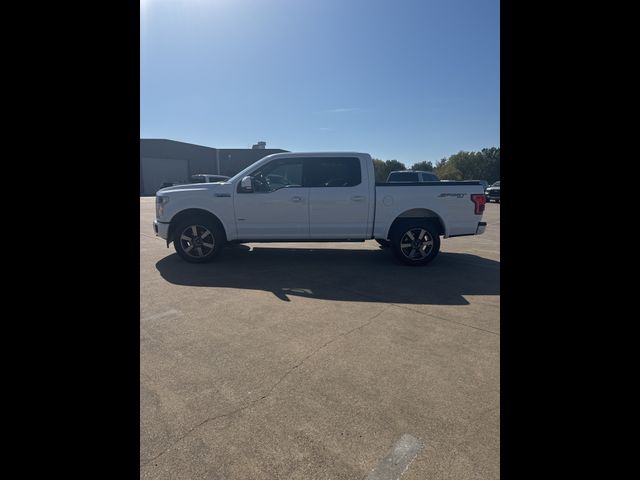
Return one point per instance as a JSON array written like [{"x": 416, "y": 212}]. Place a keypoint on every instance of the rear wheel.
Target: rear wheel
[
  {"x": 415, "y": 244},
  {"x": 198, "y": 240}
]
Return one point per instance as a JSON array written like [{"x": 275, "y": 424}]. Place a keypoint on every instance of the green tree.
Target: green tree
[
  {"x": 379, "y": 167},
  {"x": 482, "y": 165},
  {"x": 382, "y": 168},
  {"x": 448, "y": 171},
  {"x": 424, "y": 166},
  {"x": 471, "y": 165},
  {"x": 492, "y": 156},
  {"x": 393, "y": 165}
]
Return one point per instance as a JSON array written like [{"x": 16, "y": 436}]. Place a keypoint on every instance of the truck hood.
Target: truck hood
[{"x": 191, "y": 188}]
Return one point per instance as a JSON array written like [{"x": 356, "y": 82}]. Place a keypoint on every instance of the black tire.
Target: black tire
[
  {"x": 417, "y": 252},
  {"x": 383, "y": 243},
  {"x": 209, "y": 239}
]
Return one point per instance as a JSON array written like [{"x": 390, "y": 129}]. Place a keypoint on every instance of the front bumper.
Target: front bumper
[
  {"x": 481, "y": 228},
  {"x": 161, "y": 229}
]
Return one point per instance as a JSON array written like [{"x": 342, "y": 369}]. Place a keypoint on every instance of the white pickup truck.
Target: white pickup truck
[{"x": 318, "y": 197}]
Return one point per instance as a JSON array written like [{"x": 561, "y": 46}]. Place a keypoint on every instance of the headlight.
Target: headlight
[{"x": 161, "y": 201}]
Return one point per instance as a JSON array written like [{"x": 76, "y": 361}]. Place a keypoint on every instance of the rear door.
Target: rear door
[{"x": 338, "y": 197}]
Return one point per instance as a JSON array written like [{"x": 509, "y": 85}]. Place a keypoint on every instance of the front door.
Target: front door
[{"x": 278, "y": 207}]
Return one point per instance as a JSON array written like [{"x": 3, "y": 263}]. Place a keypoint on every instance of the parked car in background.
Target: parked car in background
[
  {"x": 208, "y": 178},
  {"x": 493, "y": 192},
  {"x": 412, "y": 176}
]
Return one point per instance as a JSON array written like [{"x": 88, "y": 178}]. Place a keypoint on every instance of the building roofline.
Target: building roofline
[
  {"x": 176, "y": 141},
  {"x": 206, "y": 146}
]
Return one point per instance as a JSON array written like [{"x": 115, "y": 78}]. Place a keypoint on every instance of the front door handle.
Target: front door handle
[
  {"x": 357, "y": 198},
  {"x": 296, "y": 199}
]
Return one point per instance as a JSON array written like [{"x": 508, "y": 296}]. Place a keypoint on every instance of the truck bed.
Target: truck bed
[{"x": 449, "y": 202}]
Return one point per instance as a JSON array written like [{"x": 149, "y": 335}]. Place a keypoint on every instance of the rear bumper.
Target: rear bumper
[
  {"x": 481, "y": 228},
  {"x": 161, "y": 229}
]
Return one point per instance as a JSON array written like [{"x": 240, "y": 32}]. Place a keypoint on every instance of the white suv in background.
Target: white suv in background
[{"x": 208, "y": 178}]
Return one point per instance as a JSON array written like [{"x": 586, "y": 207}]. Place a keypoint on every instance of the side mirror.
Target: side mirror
[{"x": 246, "y": 184}]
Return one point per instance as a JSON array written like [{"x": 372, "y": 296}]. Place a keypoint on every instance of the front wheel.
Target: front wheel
[
  {"x": 198, "y": 240},
  {"x": 415, "y": 244}
]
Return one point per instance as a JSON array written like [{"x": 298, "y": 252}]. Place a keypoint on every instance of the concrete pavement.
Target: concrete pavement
[{"x": 305, "y": 361}]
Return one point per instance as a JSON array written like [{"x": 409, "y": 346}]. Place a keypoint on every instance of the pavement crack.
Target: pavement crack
[
  {"x": 270, "y": 390},
  {"x": 337, "y": 337},
  {"x": 446, "y": 319}
]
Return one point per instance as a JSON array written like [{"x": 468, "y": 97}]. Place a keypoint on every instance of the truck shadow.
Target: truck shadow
[{"x": 340, "y": 274}]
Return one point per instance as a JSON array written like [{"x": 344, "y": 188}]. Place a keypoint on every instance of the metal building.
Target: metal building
[{"x": 169, "y": 161}]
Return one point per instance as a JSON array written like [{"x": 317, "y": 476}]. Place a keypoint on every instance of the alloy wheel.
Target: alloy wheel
[
  {"x": 197, "y": 241},
  {"x": 416, "y": 244}
]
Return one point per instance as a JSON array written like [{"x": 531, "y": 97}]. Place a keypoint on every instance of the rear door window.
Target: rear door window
[{"x": 332, "y": 172}]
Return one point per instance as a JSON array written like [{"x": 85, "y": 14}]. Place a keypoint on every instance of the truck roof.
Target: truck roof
[{"x": 319, "y": 154}]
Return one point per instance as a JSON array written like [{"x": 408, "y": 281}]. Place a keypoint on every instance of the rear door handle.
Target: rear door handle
[
  {"x": 296, "y": 199},
  {"x": 357, "y": 198}
]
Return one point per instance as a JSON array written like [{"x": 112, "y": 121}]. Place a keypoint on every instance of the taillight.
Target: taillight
[{"x": 479, "y": 199}]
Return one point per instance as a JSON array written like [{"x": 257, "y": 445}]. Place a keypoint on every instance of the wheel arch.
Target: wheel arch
[
  {"x": 193, "y": 213},
  {"x": 414, "y": 214}
]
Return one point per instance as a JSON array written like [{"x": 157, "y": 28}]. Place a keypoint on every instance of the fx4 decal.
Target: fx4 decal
[{"x": 457, "y": 195}]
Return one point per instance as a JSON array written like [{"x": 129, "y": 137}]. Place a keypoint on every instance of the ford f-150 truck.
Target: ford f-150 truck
[{"x": 333, "y": 197}]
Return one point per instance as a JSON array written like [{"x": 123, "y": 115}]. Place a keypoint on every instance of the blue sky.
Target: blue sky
[{"x": 406, "y": 79}]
